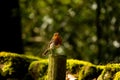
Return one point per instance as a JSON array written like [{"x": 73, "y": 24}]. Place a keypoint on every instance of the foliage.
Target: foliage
[{"x": 76, "y": 20}]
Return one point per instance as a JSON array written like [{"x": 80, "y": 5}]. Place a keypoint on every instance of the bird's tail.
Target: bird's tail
[{"x": 45, "y": 52}]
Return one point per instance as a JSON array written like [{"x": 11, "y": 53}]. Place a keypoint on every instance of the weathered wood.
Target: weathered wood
[{"x": 57, "y": 67}]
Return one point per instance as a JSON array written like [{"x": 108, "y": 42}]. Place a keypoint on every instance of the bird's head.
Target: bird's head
[{"x": 56, "y": 34}]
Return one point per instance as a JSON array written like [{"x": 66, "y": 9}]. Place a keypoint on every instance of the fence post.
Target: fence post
[{"x": 57, "y": 67}]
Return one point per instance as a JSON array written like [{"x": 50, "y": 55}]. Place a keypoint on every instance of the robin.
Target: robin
[{"x": 55, "y": 42}]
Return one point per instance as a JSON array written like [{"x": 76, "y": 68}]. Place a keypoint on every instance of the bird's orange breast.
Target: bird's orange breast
[{"x": 57, "y": 40}]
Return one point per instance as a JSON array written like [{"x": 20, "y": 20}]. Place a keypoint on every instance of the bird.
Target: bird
[{"x": 55, "y": 42}]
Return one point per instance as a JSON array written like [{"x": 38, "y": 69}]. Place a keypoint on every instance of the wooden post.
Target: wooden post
[{"x": 57, "y": 67}]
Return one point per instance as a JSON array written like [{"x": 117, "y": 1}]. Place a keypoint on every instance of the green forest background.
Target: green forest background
[{"x": 90, "y": 29}]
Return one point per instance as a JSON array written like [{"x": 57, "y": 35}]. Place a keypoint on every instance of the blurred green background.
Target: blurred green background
[{"x": 90, "y": 29}]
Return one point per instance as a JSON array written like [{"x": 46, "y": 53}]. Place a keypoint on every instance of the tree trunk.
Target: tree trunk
[{"x": 10, "y": 26}]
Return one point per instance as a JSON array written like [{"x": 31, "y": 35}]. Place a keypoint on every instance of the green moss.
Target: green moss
[
  {"x": 101, "y": 67},
  {"x": 8, "y": 56},
  {"x": 38, "y": 69},
  {"x": 117, "y": 76},
  {"x": 6, "y": 69},
  {"x": 14, "y": 66},
  {"x": 109, "y": 71},
  {"x": 6, "y": 64},
  {"x": 89, "y": 72},
  {"x": 74, "y": 65},
  {"x": 85, "y": 71}
]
